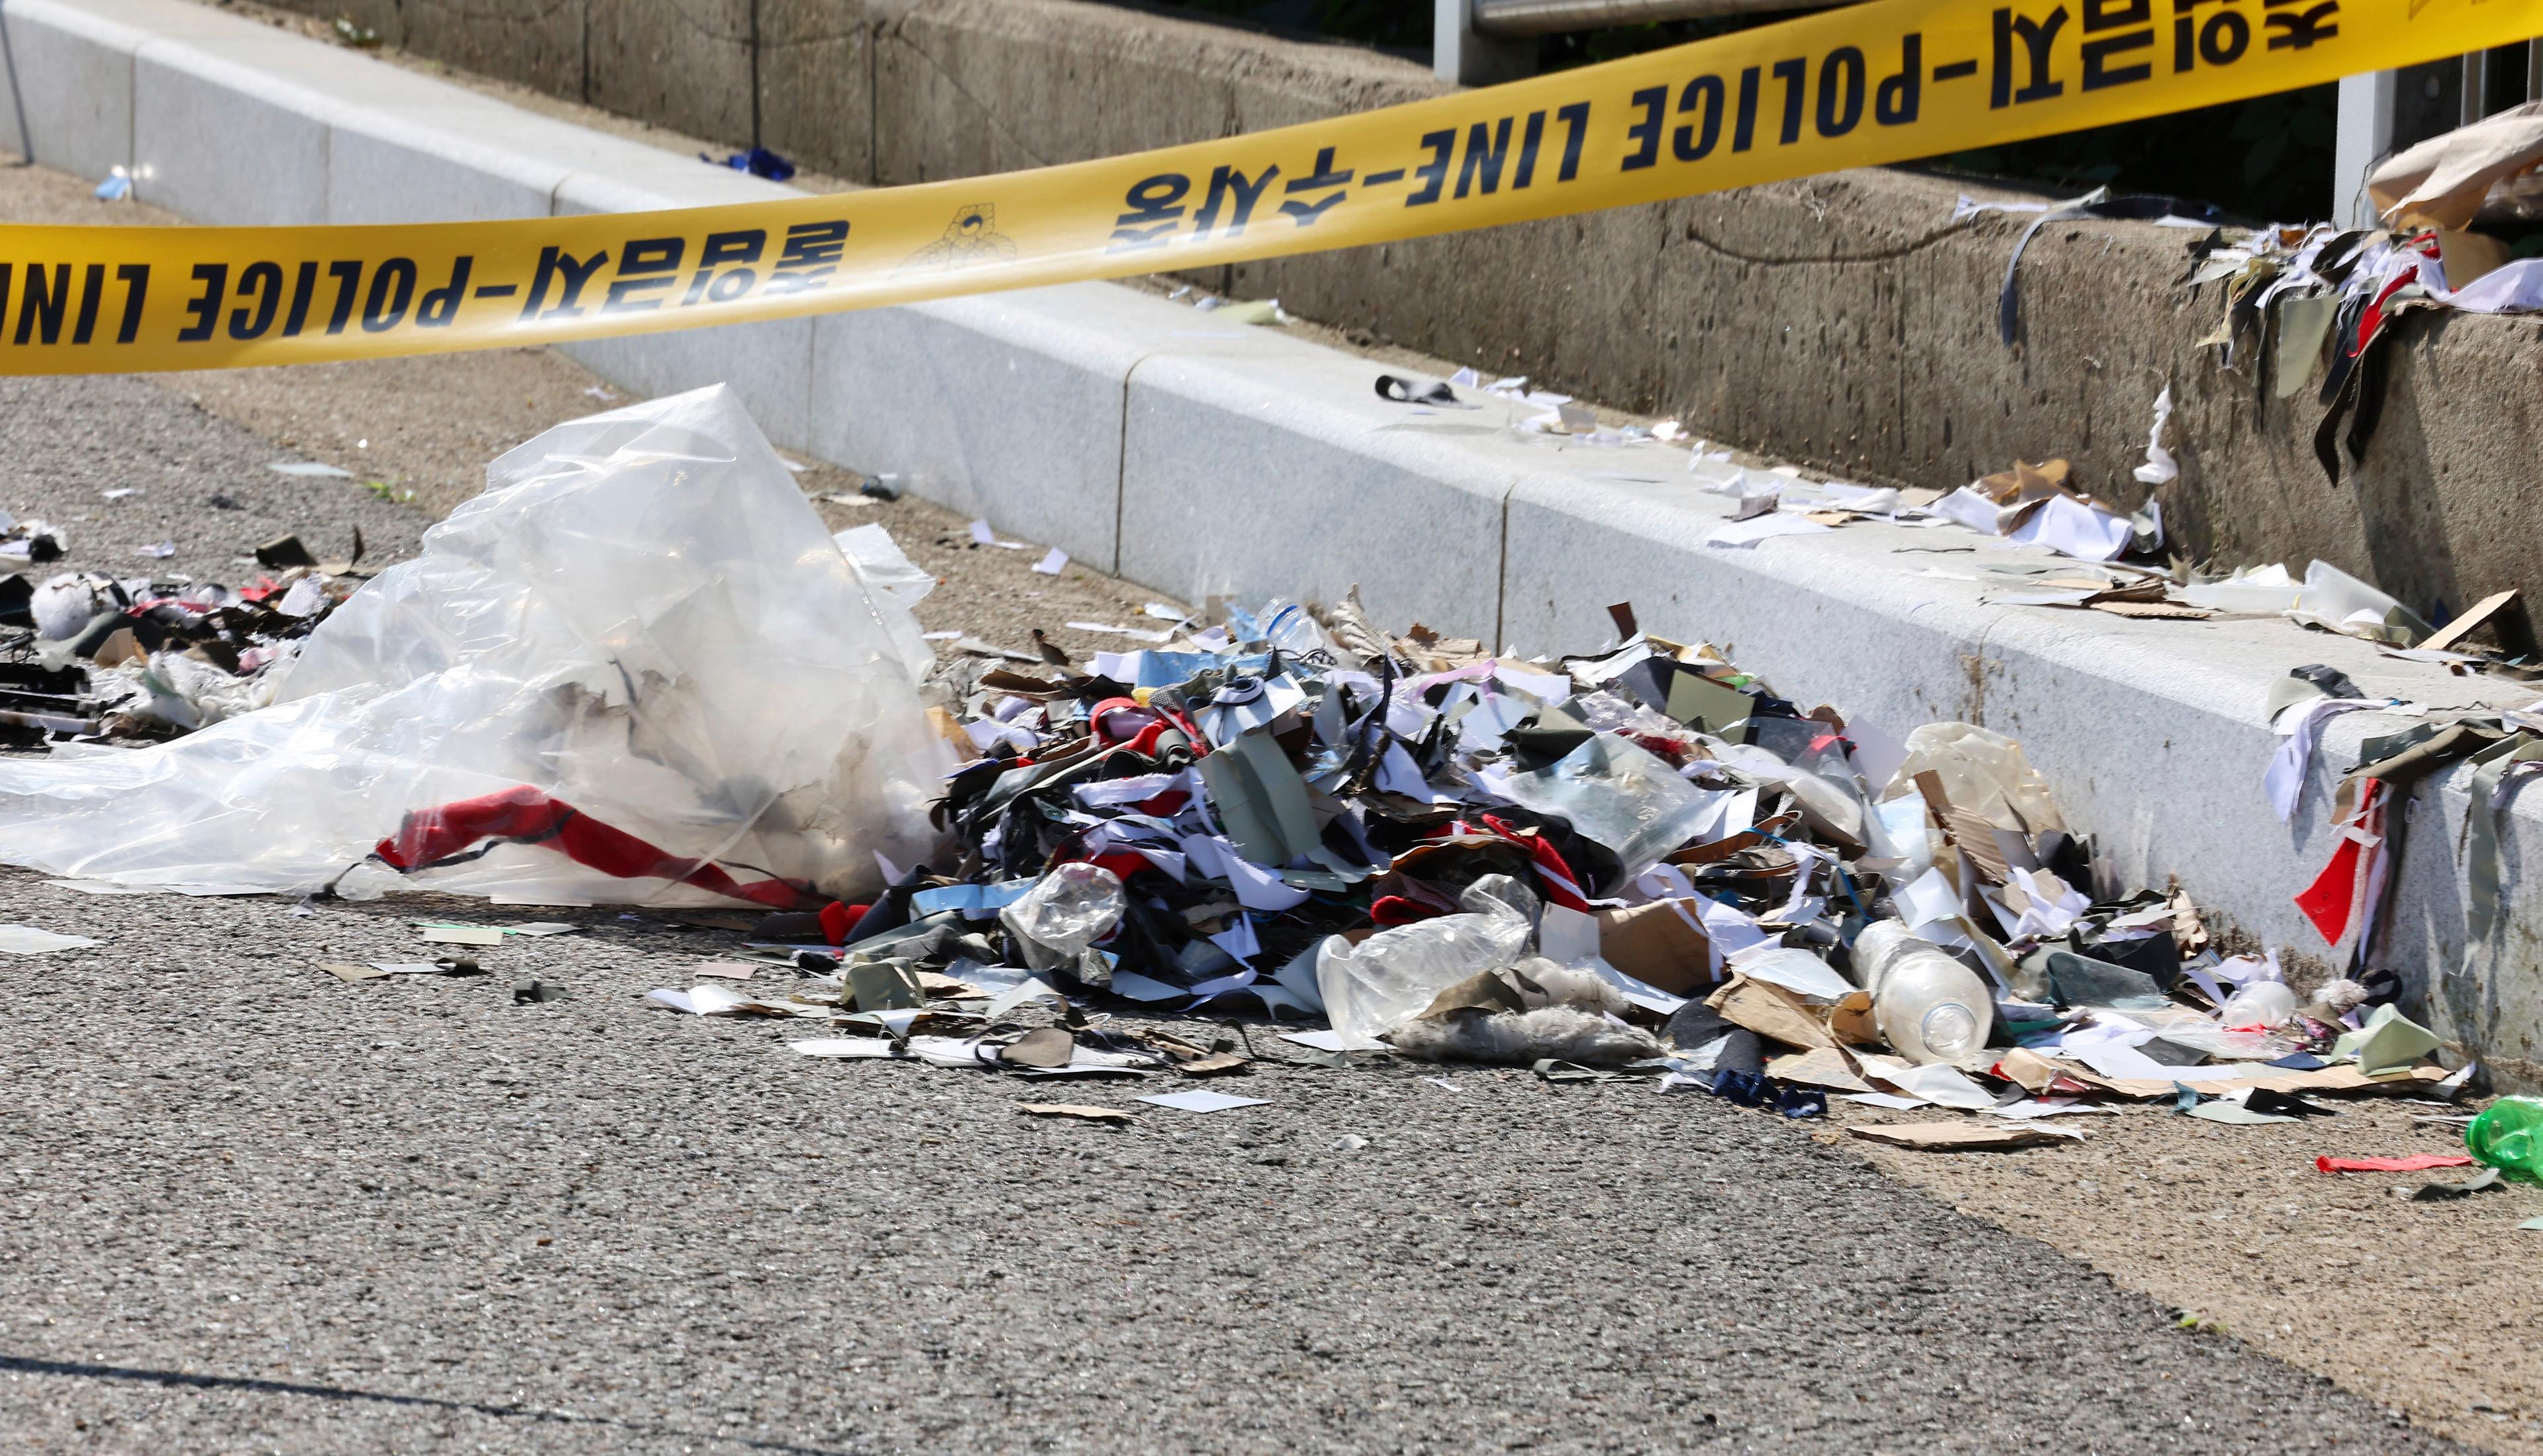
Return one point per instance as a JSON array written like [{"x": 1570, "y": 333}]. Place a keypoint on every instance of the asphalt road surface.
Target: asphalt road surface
[{"x": 245, "y": 1206}]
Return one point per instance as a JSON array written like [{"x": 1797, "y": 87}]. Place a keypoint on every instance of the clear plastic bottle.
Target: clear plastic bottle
[
  {"x": 2258, "y": 1007},
  {"x": 1067, "y": 910},
  {"x": 2509, "y": 1136},
  {"x": 1930, "y": 1008},
  {"x": 1391, "y": 978},
  {"x": 1879, "y": 944}
]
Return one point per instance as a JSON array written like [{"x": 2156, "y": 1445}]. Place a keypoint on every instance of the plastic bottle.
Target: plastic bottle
[
  {"x": 2258, "y": 1007},
  {"x": 2509, "y": 1136},
  {"x": 1930, "y": 1008},
  {"x": 1069, "y": 909},
  {"x": 1391, "y": 978},
  {"x": 1879, "y": 944}
]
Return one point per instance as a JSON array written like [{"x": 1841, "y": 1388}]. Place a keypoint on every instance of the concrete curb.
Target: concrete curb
[{"x": 1201, "y": 457}]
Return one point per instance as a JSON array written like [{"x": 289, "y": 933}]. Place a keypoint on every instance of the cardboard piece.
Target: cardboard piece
[
  {"x": 1213, "y": 1066},
  {"x": 1850, "y": 1021},
  {"x": 463, "y": 935},
  {"x": 1958, "y": 1137},
  {"x": 1661, "y": 943},
  {"x": 1826, "y": 1066},
  {"x": 2480, "y": 612},
  {"x": 1073, "y": 1110},
  {"x": 1771, "y": 1012}
]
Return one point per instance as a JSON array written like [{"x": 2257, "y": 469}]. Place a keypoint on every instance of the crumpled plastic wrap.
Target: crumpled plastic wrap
[{"x": 636, "y": 670}]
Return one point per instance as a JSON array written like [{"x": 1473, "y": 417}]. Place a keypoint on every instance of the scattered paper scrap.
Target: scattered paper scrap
[
  {"x": 1074, "y": 1109},
  {"x": 863, "y": 1046},
  {"x": 463, "y": 935},
  {"x": 1203, "y": 1102},
  {"x": 1052, "y": 562},
  {"x": 1943, "y": 1137},
  {"x": 27, "y": 939},
  {"x": 982, "y": 535}
]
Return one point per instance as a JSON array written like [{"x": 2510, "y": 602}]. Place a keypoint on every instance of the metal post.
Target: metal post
[
  {"x": 1461, "y": 53},
  {"x": 2362, "y": 138},
  {"x": 2476, "y": 87}
]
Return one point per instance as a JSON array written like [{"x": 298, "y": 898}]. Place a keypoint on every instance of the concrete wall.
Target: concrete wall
[{"x": 1840, "y": 320}]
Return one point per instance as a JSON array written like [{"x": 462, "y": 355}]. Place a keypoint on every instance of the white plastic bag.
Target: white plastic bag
[{"x": 636, "y": 669}]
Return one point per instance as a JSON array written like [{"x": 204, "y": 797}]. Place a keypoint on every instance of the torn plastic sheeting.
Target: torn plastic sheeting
[{"x": 640, "y": 617}]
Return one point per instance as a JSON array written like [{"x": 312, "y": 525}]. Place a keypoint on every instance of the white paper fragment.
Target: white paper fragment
[
  {"x": 309, "y": 468},
  {"x": 1052, "y": 562},
  {"x": 861, "y": 1046},
  {"x": 2159, "y": 468},
  {"x": 27, "y": 939},
  {"x": 1203, "y": 1102}
]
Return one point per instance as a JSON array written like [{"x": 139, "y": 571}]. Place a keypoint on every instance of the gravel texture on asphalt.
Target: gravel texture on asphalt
[{"x": 250, "y": 1207}]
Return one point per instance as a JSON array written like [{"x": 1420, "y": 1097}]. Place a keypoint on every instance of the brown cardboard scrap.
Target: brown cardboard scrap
[
  {"x": 1077, "y": 1111},
  {"x": 1482, "y": 991},
  {"x": 1660, "y": 944},
  {"x": 2039, "y": 1076},
  {"x": 1214, "y": 1066},
  {"x": 1826, "y": 1066},
  {"x": 1771, "y": 1012},
  {"x": 2472, "y": 619},
  {"x": 1850, "y": 1021},
  {"x": 1949, "y": 1137}
]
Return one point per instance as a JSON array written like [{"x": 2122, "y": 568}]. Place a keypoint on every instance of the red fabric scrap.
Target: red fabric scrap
[
  {"x": 2416, "y": 1162},
  {"x": 429, "y": 837},
  {"x": 2333, "y": 896},
  {"x": 1394, "y": 910},
  {"x": 1562, "y": 887},
  {"x": 839, "y": 921},
  {"x": 1123, "y": 863}
]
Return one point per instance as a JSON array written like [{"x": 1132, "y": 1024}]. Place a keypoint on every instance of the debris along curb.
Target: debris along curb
[{"x": 1206, "y": 457}]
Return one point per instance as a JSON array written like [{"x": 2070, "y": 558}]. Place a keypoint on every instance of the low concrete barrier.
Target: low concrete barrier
[
  {"x": 1843, "y": 321},
  {"x": 1199, "y": 456}
]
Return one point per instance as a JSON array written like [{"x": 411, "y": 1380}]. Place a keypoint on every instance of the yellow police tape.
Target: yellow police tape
[{"x": 1880, "y": 82}]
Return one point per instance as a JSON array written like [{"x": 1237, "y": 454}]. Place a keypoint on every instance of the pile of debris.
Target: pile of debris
[
  {"x": 144, "y": 657},
  {"x": 1639, "y": 860}
]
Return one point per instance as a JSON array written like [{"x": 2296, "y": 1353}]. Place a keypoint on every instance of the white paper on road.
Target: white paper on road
[
  {"x": 1203, "y": 1102},
  {"x": 27, "y": 939},
  {"x": 861, "y": 1046}
]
